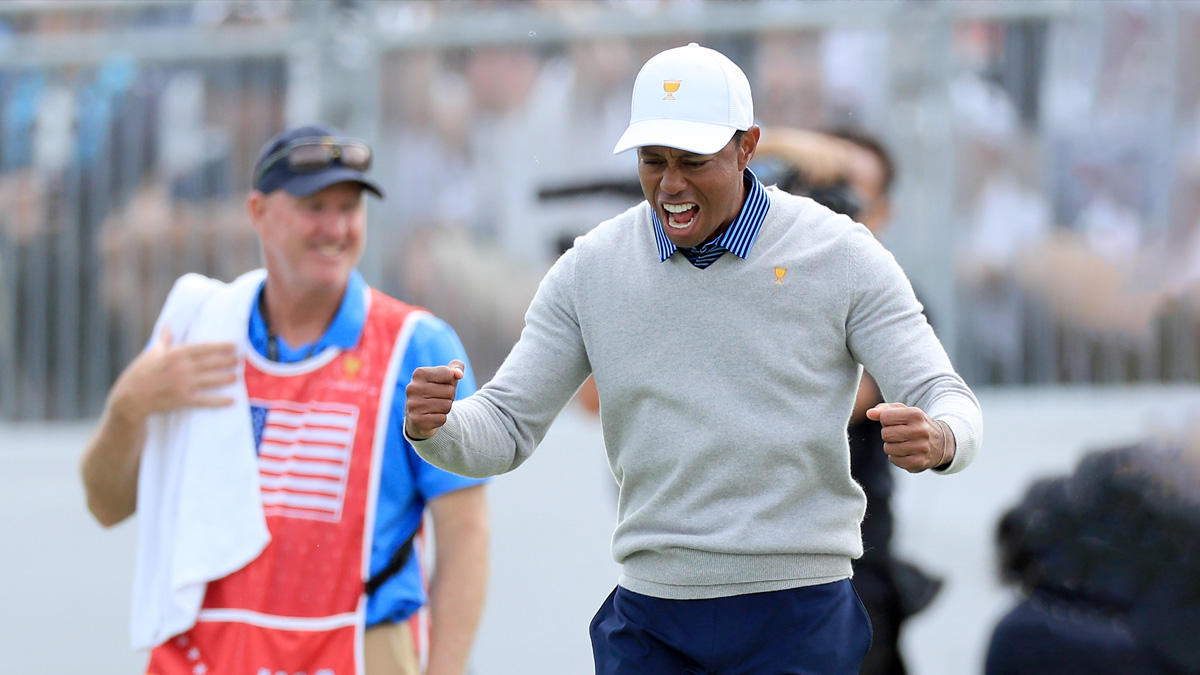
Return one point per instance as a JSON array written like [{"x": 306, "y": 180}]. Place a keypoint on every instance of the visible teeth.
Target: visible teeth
[
  {"x": 679, "y": 208},
  {"x": 329, "y": 249}
]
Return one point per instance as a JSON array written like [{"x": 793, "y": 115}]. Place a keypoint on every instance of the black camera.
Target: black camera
[{"x": 838, "y": 196}]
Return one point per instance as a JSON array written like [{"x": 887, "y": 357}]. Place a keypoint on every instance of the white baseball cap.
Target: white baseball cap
[{"x": 691, "y": 98}]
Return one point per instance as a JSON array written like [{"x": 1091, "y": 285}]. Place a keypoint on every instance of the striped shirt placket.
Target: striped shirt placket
[{"x": 738, "y": 239}]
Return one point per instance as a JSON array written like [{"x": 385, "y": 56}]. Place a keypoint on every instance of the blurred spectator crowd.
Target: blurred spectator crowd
[{"x": 1071, "y": 228}]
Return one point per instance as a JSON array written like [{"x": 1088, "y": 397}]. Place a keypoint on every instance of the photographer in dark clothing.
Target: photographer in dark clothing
[
  {"x": 1108, "y": 562},
  {"x": 852, "y": 173}
]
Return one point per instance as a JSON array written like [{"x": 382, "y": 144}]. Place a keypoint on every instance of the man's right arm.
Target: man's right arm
[
  {"x": 110, "y": 465},
  {"x": 162, "y": 378},
  {"x": 498, "y": 428},
  {"x": 430, "y": 396}
]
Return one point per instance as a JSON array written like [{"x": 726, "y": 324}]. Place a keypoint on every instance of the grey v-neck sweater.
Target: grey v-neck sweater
[{"x": 724, "y": 393}]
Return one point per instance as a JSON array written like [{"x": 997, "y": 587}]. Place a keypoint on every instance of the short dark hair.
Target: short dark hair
[{"x": 873, "y": 145}]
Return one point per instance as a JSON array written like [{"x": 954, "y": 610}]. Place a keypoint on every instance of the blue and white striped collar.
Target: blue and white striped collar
[{"x": 740, "y": 236}]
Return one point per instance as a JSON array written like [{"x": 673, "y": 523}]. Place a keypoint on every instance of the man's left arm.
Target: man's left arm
[
  {"x": 459, "y": 583},
  {"x": 934, "y": 420},
  {"x": 913, "y": 440}
]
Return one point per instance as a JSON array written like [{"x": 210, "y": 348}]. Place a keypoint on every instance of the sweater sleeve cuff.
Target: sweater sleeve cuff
[
  {"x": 448, "y": 450},
  {"x": 438, "y": 448},
  {"x": 966, "y": 445},
  {"x": 410, "y": 439}
]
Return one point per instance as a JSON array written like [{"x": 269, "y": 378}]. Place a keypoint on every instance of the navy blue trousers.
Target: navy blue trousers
[{"x": 813, "y": 630}]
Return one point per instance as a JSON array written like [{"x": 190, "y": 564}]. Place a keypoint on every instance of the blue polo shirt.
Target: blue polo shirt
[{"x": 407, "y": 482}]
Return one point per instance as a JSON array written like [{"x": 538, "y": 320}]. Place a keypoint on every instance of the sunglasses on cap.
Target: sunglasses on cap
[{"x": 313, "y": 154}]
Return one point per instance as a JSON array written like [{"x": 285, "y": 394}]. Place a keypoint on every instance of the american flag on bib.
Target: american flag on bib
[{"x": 303, "y": 456}]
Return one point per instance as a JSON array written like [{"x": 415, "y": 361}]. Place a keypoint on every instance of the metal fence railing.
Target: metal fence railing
[{"x": 1040, "y": 208}]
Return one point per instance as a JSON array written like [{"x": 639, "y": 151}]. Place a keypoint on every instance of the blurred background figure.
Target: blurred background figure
[
  {"x": 852, "y": 173},
  {"x": 1107, "y": 560},
  {"x": 1005, "y": 217},
  {"x": 1032, "y": 197}
]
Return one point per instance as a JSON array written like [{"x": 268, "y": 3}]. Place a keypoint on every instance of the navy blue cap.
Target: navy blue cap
[{"x": 302, "y": 184}]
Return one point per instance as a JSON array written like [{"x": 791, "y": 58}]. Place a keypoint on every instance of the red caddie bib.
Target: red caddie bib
[{"x": 320, "y": 428}]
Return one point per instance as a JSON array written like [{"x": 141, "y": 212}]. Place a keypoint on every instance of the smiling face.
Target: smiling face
[
  {"x": 311, "y": 244},
  {"x": 695, "y": 196}
]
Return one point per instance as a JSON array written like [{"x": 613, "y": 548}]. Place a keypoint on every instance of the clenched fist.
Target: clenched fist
[
  {"x": 429, "y": 397},
  {"x": 913, "y": 440}
]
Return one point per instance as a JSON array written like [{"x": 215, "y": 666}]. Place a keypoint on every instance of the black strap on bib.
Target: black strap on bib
[{"x": 399, "y": 559}]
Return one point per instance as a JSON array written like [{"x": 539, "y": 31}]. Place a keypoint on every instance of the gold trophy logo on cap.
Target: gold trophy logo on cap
[
  {"x": 779, "y": 274},
  {"x": 671, "y": 86}
]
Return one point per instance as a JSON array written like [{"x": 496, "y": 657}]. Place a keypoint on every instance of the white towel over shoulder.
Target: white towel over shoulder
[{"x": 199, "y": 509}]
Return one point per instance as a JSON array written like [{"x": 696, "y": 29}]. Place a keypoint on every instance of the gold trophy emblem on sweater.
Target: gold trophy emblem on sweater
[
  {"x": 671, "y": 86},
  {"x": 780, "y": 272}
]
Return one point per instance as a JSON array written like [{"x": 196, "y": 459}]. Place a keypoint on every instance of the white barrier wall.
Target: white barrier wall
[{"x": 64, "y": 582}]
